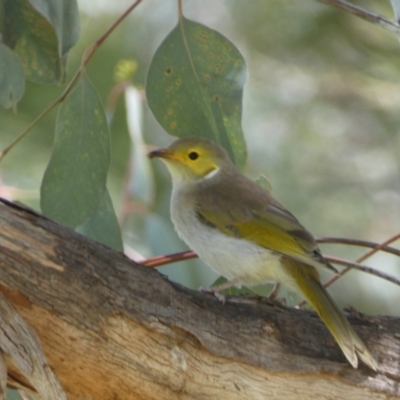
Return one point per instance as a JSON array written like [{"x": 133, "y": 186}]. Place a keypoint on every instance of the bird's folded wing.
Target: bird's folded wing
[{"x": 273, "y": 228}]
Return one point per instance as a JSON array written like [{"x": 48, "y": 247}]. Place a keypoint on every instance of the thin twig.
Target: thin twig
[
  {"x": 186, "y": 255},
  {"x": 87, "y": 55},
  {"x": 158, "y": 261},
  {"x": 366, "y": 15},
  {"x": 378, "y": 248},
  {"x": 167, "y": 259},
  {"x": 42, "y": 114},
  {"x": 368, "y": 254},
  {"x": 362, "y": 258},
  {"x": 364, "y": 268},
  {"x": 180, "y": 12},
  {"x": 358, "y": 242}
]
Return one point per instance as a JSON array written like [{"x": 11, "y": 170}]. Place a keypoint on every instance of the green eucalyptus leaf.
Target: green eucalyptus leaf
[
  {"x": 263, "y": 181},
  {"x": 41, "y": 32},
  {"x": 63, "y": 16},
  {"x": 2, "y": 15},
  {"x": 234, "y": 290},
  {"x": 12, "y": 80},
  {"x": 194, "y": 87},
  {"x": 13, "y": 394},
  {"x": 75, "y": 179},
  {"x": 103, "y": 226}
]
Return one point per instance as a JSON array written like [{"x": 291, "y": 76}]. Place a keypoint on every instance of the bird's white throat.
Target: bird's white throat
[{"x": 211, "y": 174}]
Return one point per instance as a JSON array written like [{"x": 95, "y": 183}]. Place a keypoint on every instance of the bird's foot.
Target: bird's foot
[
  {"x": 274, "y": 292},
  {"x": 273, "y": 295},
  {"x": 214, "y": 292},
  {"x": 353, "y": 311}
]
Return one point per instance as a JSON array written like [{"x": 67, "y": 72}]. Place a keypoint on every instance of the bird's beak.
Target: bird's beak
[{"x": 165, "y": 153}]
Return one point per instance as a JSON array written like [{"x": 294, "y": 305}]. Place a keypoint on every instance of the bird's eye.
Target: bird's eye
[{"x": 193, "y": 155}]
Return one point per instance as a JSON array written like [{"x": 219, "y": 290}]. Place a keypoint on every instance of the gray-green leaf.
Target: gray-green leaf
[
  {"x": 263, "y": 181},
  {"x": 12, "y": 80},
  {"x": 41, "y": 32},
  {"x": 75, "y": 179},
  {"x": 194, "y": 87},
  {"x": 103, "y": 226}
]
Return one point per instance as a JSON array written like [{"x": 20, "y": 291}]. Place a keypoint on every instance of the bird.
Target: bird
[{"x": 245, "y": 235}]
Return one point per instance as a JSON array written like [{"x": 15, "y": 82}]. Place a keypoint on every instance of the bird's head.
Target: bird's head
[{"x": 193, "y": 159}]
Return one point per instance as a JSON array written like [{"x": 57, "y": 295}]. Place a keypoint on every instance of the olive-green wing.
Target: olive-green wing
[{"x": 273, "y": 228}]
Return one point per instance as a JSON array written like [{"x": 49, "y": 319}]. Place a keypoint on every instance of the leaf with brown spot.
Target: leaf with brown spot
[
  {"x": 41, "y": 33},
  {"x": 195, "y": 85}
]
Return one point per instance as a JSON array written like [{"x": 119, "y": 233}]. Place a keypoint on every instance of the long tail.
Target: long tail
[{"x": 307, "y": 280}]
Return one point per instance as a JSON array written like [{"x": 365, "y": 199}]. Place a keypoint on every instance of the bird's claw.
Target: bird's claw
[{"x": 219, "y": 296}]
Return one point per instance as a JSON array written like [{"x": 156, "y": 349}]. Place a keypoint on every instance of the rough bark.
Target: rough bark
[
  {"x": 20, "y": 344},
  {"x": 112, "y": 329}
]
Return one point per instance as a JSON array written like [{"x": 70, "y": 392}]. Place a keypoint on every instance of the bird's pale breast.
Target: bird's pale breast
[{"x": 231, "y": 257}]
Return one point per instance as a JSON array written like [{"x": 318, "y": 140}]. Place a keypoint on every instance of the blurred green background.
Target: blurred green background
[{"x": 321, "y": 120}]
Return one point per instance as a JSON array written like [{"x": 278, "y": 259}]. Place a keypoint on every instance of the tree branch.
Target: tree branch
[
  {"x": 364, "y": 14},
  {"x": 113, "y": 329}
]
